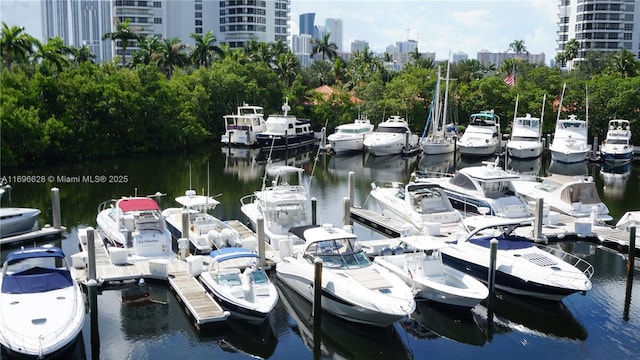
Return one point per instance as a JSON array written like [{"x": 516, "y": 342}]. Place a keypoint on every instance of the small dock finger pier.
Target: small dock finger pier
[{"x": 94, "y": 267}]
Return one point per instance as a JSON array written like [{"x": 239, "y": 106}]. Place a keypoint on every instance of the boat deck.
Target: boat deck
[{"x": 565, "y": 228}]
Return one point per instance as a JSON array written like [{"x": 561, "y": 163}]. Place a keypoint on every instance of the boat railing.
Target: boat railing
[
  {"x": 569, "y": 258},
  {"x": 248, "y": 199},
  {"x": 419, "y": 175},
  {"x": 106, "y": 205}
]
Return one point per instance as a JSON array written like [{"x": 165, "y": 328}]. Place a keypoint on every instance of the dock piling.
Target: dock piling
[
  {"x": 317, "y": 305},
  {"x": 55, "y": 207},
  {"x": 260, "y": 233},
  {"x": 91, "y": 252},
  {"x": 314, "y": 211},
  {"x": 537, "y": 229},
  {"x": 351, "y": 182},
  {"x": 346, "y": 214}
]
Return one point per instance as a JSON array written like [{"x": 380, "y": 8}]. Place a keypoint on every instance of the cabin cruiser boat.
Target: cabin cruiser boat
[
  {"x": 136, "y": 224},
  {"x": 575, "y": 196},
  {"x": 617, "y": 147},
  {"x": 350, "y": 137},
  {"x": 206, "y": 232},
  {"x": 476, "y": 189},
  {"x": 239, "y": 284},
  {"x": 353, "y": 288},
  {"x": 569, "y": 143},
  {"x": 525, "y": 141},
  {"x": 285, "y": 131},
  {"x": 284, "y": 203},
  {"x": 392, "y": 136},
  {"x": 420, "y": 266},
  {"x": 418, "y": 203},
  {"x": 241, "y": 128},
  {"x": 16, "y": 220},
  {"x": 482, "y": 135},
  {"x": 42, "y": 308},
  {"x": 522, "y": 267}
]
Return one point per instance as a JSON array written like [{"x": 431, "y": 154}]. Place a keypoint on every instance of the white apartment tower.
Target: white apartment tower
[
  {"x": 599, "y": 25},
  {"x": 83, "y": 22}
]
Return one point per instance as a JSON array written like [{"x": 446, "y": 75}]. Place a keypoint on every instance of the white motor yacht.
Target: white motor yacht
[
  {"x": 569, "y": 143},
  {"x": 420, "y": 266},
  {"x": 481, "y": 137},
  {"x": 239, "y": 284},
  {"x": 353, "y": 288},
  {"x": 42, "y": 307},
  {"x": 391, "y": 137},
  {"x": 617, "y": 147},
  {"x": 241, "y": 128},
  {"x": 525, "y": 141},
  {"x": 350, "y": 137},
  {"x": 522, "y": 267}
]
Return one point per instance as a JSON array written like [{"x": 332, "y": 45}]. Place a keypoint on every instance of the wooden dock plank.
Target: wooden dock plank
[{"x": 201, "y": 305}]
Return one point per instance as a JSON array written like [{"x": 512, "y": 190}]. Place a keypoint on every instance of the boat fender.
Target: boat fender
[{"x": 386, "y": 251}]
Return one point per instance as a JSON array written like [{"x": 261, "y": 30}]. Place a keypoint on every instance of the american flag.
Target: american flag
[{"x": 511, "y": 79}]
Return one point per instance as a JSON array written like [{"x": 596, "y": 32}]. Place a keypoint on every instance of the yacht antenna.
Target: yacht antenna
[{"x": 586, "y": 91}]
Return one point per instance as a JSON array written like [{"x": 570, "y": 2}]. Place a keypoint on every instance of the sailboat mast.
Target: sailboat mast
[
  {"x": 564, "y": 86},
  {"x": 544, "y": 101},
  {"x": 446, "y": 93}
]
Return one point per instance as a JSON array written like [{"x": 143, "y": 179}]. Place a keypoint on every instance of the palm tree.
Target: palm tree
[
  {"x": 286, "y": 67},
  {"x": 571, "y": 49},
  {"x": 320, "y": 71},
  {"x": 415, "y": 55},
  {"x": 172, "y": 54},
  {"x": 15, "y": 44},
  {"x": 363, "y": 65},
  {"x": 324, "y": 47},
  {"x": 205, "y": 49},
  {"x": 52, "y": 52},
  {"x": 149, "y": 50},
  {"x": 82, "y": 54},
  {"x": 518, "y": 47},
  {"x": 624, "y": 63},
  {"x": 125, "y": 34}
]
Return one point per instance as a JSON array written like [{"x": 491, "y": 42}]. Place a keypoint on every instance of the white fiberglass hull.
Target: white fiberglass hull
[
  {"x": 477, "y": 149},
  {"x": 342, "y": 143},
  {"x": 347, "y": 298},
  {"x": 41, "y": 324},
  {"x": 524, "y": 149},
  {"x": 14, "y": 221},
  {"x": 569, "y": 156},
  {"x": 436, "y": 148}
]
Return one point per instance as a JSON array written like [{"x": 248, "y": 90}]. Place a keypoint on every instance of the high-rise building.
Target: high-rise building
[
  {"x": 359, "y": 45},
  {"x": 307, "y": 23},
  {"x": 599, "y": 25},
  {"x": 459, "y": 56},
  {"x": 334, "y": 28},
  {"x": 84, "y": 22}
]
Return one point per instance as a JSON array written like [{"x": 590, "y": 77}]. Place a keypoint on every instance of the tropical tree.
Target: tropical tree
[
  {"x": 172, "y": 55},
  {"x": 81, "y": 54},
  {"x": 572, "y": 49},
  {"x": 518, "y": 47},
  {"x": 205, "y": 49},
  {"x": 15, "y": 44},
  {"x": 364, "y": 65},
  {"x": 320, "y": 73},
  {"x": 52, "y": 52},
  {"x": 149, "y": 51},
  {"x": 287, "y": 67},
  {"x": 324, "y": 47},
  {"x": 125, "y": 34},
  {"x": 624, "y": 63}
]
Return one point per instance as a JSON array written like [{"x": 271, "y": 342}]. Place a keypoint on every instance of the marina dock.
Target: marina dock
[
  {"x": 563, "y": 228},
  {"x": 197, "y": 304}
]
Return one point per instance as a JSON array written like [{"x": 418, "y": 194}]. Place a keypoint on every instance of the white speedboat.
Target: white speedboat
[
  {"x": 482, "y": 136},
  {"x": 576, "y": 196},
  {"x": 391, "y": 137},
  {"x": 206, "y": 231},
  {"x": 42, "y": 307},
  {"x": 522, "y": 267},
  {"x": 350, "y": 137},
  {"x": 284, "y": 131},
  {"x": 418, "y": 203},
  {"x": 136, "y": 224},
  {"x": 569, "y": 144},
  {"x": 241, "y": 128},
  {"x": 476, "y": 188},
  {"x": 525, "y": 141},
  {"x": 421, "y": 267},
  {"x": 16, "y": 220},
  {"x": 441, "y": 136},
  {"x": 617, "y": 147},
  {"x": 353, "y": 288},
  {"x": 283, "y": 203},
  {"x": 239, "y": 285}
]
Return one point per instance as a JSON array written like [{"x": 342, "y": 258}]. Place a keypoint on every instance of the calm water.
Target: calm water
[{"x": 592, "y": 326}]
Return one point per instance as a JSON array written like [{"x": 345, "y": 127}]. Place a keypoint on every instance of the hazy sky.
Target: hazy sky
[{"x": 438, "y": 26}]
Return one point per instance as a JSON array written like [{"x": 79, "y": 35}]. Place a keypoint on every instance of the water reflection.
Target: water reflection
[
  {"x": 432, "y": 320},
  {"x": 529, "y": 167},
  {"x": 391, "y": 168},
  {"x": 440, "y": 163},
  {"x": 614, "y": 179},
  {"x": 340, "y": 339},
  {"x": 573, "y": 169},
  {"x": 536, "y": 316}
]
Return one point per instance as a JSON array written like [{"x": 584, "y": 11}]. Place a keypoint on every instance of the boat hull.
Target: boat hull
[
  {"x": 569, "y": 157},
  {"x": 524, "y": 150},
  {"x": 281, "y": 142},
  {"x": 617, "y": 156},
  {"x": 478, "y": 150},
  {"x": 16, "y": 221},
  {"x": 445, "y": 147}
]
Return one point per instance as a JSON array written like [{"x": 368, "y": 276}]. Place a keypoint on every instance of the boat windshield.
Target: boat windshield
[
  {"x": 338, "y": 254},
  {"x": 391, "y": 129},
  {"x": 572, "y": 124},
  {"x": 533, "y": 123},
  {"x": 495, "y": 189},
  {"x": 585, "y": 193},
  {"x": 34, "y": 275},
  {"x": 614, "y": 141},
  {"x": 524, "y": 138}
]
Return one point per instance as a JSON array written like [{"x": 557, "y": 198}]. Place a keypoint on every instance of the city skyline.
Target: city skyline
[{"x": 437, "y": 26}]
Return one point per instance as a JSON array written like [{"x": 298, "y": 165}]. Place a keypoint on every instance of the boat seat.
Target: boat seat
[{"x": 432, "y": 269}]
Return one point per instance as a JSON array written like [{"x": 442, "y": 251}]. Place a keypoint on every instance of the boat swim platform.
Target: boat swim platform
[
  {"x": 566, "y": 228},
  {"x": 43, "y": 234},
  {"x": 198, "y": 305}
]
